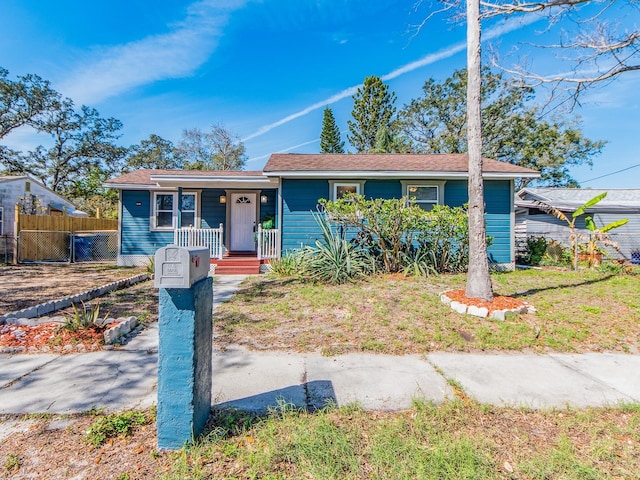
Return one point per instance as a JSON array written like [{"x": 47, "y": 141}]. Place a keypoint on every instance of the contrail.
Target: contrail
[
  {"x": 508, "y": 26},
  {"x": 288, "y": 149}
]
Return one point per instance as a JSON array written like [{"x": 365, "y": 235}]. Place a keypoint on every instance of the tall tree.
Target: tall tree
[
  {"x": 154, "y": 153},
  {"x": 218, "y": 149},
  {"x": 23, "y": 100},
  {"x": 373, "y": 110},
  {"x": 478, "y": 278},
  {"x": 592, "y": 47},
  {"x": 82, "y": 141},
  {"x": 513, "y": 130},
  {"x": 330, "y": 139}
]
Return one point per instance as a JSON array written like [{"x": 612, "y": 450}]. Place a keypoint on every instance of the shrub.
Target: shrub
[
  {"x": 445, "y": 236},
  {"x": 288, "y": 265},
  {"x": 334, "y": 259},
  {"x": 385, "y": 226},
  {"x": 536, "y": 248},
  {"x": 556, "y": 255}
]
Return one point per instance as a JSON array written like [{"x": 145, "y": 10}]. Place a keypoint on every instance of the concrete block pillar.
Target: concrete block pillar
[{"x": 184, "y": 362}]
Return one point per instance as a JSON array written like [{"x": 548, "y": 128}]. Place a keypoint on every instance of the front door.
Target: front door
[{"x": 243, "y": 222}]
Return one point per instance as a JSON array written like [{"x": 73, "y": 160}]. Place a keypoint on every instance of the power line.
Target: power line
[{"x": 612, "y": 173}]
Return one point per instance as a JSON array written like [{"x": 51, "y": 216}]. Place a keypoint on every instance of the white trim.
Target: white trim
[
  {"x": 393, "y": 174},
  {"x": 512, "y": 218},
  {"x": 1, "y": 219},
  {"x": 174, "y": 213},
  {"x": 333, "y": 187},
  {"x": 439, "y": 185},
  {"x": 255, "y": 194}
]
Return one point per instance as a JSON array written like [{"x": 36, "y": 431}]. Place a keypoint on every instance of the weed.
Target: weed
[
  {"x": 12, "y": 463},
  {"x": 109, "y": 426}
]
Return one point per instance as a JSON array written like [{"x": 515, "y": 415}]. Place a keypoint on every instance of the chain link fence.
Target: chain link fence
[
  {"x": 52, "y": 246},
  {"x": 7, "y": 245},
  {"x": 628, "y": 244}
]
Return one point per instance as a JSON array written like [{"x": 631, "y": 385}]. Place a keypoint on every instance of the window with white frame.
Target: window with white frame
[
  {"x": 340, "y": 189},
  {"x": 423, "y": 195},
  {"x": 188, "y": 216},
  {"x": 165, "y": 210}
]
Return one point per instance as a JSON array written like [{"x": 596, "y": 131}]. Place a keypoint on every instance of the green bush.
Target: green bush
[
  {"x": 385, "y": 227},
  {"x": 536, "y": 248},
  {"x": 334, "y": 259},
  {"x": 556, "y": 255},
  {"x": 444, "y": 237},
  {"x": 288, "y": 265}
]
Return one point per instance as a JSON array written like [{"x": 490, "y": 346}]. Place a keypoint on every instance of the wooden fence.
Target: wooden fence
[
  {"x": 47, "y": 237},
  {"x": 63, "y": 223}
]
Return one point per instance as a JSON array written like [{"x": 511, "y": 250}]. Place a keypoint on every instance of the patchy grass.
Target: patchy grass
[
  {"x": 576, "y": 312},
  {"x": 458, "y": 439},
  {"x": 454, "y": 440}
]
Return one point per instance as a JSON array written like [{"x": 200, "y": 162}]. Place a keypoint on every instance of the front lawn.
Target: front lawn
[{"x": 576, "y": 312}]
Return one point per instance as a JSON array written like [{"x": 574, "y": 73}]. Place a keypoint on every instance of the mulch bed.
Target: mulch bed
[
  {"x": 499, "y": 302},
  {"x": 50, "y": 336}
]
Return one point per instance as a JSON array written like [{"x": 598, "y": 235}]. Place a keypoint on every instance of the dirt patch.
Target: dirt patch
[
  {"x": 34, "y": 284},
  {"x": 24, "y": 286}
]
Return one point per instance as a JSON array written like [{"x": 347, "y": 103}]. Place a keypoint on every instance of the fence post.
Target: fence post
[
  {"x": 16, "y": 232},
  {"x": 185, "y": 344}
]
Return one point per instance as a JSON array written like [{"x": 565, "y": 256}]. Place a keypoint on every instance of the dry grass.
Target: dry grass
[{"x": 576, "y": 312}]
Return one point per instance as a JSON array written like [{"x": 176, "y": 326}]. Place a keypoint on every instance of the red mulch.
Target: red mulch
[
  {"x": 499, "y": 302},
  {"x": 49, "y": 335}
]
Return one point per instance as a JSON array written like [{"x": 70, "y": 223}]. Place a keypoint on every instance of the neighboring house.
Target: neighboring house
[
  {"x": 17, "y": 189},
  {"x": 264, "y": 213},
  {"x": 532, "y": 221}
]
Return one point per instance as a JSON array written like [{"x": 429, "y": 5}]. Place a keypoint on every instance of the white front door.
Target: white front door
[{"x": 243, "y": 222}]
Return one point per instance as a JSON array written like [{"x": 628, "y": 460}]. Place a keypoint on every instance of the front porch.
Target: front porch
[{"x": 267, "y": 244}]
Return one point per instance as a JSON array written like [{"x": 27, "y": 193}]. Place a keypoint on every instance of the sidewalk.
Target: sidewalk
[{"x": 126, "y": 378}]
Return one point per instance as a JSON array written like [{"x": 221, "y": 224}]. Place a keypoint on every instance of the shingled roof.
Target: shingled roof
[
  {"x": 143, "y": 177},
  {"x": 440, "y": 163}
]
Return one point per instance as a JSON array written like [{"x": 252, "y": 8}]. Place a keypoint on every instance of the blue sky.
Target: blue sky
[{"x": 266, "y": 68}]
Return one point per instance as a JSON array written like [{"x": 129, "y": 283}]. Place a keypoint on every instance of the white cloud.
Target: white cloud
[
  {"x": 495, "y": 32},
  {"x": 174, "y": 54}
]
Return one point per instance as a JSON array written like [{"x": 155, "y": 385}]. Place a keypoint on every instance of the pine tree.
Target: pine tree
[
  {"x": 330, "y": 141},
  {"x": 373, "y": 110}
]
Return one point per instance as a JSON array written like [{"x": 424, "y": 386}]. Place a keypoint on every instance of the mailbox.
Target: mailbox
[{"x": 180, "y": 267}]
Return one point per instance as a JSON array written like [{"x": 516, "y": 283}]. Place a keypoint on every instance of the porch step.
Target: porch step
[{"x": 237, "y": 265}]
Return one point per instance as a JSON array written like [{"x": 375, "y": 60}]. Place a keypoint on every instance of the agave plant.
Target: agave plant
[{"x": 334, "y": 259}]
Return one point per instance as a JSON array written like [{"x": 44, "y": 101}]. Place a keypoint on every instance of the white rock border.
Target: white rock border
[{"x": 483, "y": 312}]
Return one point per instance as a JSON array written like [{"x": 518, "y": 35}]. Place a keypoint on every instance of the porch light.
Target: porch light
[
  {"x": 263, "y": 199},
  {"x": 223, "y": 199}
]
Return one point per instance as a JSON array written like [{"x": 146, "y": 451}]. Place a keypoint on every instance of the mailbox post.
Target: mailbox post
[{"x": 185, "y": 343}]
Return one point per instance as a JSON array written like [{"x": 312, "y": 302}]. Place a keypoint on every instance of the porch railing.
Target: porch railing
[
  {"x": 212, "y": 238},
  {"x": 268, "y": 242}
]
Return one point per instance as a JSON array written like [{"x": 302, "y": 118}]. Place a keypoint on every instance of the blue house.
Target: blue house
[{"x": 248, "y": 217}]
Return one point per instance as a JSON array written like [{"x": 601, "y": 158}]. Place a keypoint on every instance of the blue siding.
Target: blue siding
[
  {"x": 383, "y": 189},
  {"x": 137, "y": 239},
  {"x": 497, "y": 198},
  {"x": 212, "y": 212},
  {"x": 299, "y": 199},
  {"x": 269, "y": 208}
]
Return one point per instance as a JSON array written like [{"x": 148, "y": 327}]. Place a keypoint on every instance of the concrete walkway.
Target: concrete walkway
[{"x": 126, "y": 378}]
